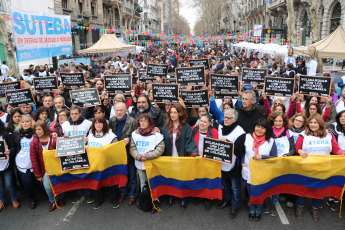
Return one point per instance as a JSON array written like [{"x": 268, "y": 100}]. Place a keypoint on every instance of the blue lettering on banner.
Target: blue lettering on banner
[
  {"x": 70, "y": 133},
  {"x": 279, "y": 145},
  {"x": 142, "y": 144},
  {"x": 94, "y": 144},
  {"x": 25, "y": 144},
  {"x": 319, "y": 142}
]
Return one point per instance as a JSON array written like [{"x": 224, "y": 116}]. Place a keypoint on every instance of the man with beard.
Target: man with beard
[
  {"x": 144, "y": 106},
  {"x": 301, "y": 69}
]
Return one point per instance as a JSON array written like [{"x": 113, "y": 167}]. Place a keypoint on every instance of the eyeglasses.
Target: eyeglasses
[
  {"x": 143, "y": 121},
  {"x": 228, "y": 118},
  {"x": 299, "y": 121},
  {"x": 312, "y": 109}
]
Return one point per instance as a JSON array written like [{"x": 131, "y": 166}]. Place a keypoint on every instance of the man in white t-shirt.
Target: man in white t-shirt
[{"x": 4, "y": 71}]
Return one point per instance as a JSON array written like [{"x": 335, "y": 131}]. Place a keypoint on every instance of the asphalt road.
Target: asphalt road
[{"x": 83, "y": 216}]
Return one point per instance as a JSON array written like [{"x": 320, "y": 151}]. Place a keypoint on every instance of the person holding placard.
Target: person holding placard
[
  {"x": 23, "y": 137},
  {"x": 146, "y": 144},
  {"x": 204, "y": 129},
  {"x": 315, "y": 140},
  {"x": 43, "y": 140},
  {"x": 178, "y": 138},
  {"x": 230, "y": 130},
  {"x": 6, "y": 167},
  {"x": 100, "y": 135},
  {"x": 260, "y": 145}
]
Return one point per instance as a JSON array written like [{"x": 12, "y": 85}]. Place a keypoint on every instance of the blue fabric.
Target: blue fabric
[
  {"x": 120, "y": 125},
  {"x": 232, "y": 190},
  {"x": 28, "y": 180},
  {"x": 131, "y": 182},
  {"x": 314, "y": 202},
  {"x": 216, "y": 111},
  {"x": 6, "y": 177}
]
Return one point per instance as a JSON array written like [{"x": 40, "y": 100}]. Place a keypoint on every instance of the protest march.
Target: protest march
[{"x": 174, "y": 124}]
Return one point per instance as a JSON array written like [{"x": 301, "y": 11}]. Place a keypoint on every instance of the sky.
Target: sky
[{"x": 190, "y": 14}]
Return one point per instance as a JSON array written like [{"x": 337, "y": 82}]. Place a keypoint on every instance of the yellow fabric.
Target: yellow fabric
[
  {"x": 317, "y": 166},
  {"x": 183, "y": 168},
  {"x": 114, "y": 154}
]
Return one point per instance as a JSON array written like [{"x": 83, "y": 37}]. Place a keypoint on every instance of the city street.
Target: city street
[{"x": 83, "y": 216}]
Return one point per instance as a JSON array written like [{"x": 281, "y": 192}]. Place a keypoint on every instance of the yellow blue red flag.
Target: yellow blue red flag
[
  {"x": 108, "y": 167},
  {"x": 184, "y": 177},
  {"x": 314, "y": 177}
]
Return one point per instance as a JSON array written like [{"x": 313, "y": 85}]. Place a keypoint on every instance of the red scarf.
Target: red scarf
[
  {"x": 258, "y": 141},
  {"x": 147, "y": 132}
]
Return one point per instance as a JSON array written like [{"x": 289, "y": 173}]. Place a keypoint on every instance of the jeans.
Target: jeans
[
  {"x": 28, "y": 179},
  {"x": 49, "y": 190},
  {"x": 7, "y": 178},
  {"x": 143, "y": 178},
  {"x": 131, "y": 183},
  {"x": 314, "y": 202},
  {"x": 274, "y": 199},
  {"x": 232, "y": 190}
]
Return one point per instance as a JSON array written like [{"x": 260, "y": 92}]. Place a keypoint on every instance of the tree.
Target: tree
[
  {"x": 291, "y": 21},
  {"x": 315, "y": 29}
]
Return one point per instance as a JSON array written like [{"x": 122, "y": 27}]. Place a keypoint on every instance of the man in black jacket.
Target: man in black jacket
[
  {"x": 249, "y": 112},
  {"x": 301, "y": 69},
  {"x": 144, "y": 106}
]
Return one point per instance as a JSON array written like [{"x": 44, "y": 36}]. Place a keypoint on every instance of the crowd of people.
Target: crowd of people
[{"x": 260, "y": 127}]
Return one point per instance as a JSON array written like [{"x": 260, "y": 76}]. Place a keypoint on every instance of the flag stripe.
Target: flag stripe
[
  {"x": 95, "y": 176},
  {"x": 121, "y": 180},
  {"x": 298, "y": 190},
  {"x": 169, "y": 190},
  {"x": 296, "y": 179},
  {"x": 195, "y": 184}
]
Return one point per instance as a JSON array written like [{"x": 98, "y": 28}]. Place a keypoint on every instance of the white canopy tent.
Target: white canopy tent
[{"x": 108, "y": 43}]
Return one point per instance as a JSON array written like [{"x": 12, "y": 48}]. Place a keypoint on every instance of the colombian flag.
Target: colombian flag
[
  {"x": 108, "y": 167},
  {"x": 314, "y": 177},
  {"x": 184, "y": 177}
]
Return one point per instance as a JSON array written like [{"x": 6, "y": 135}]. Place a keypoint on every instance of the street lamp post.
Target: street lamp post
[
  {"x": 109, "y": 9},
  {"x": 225, "y": 20},
  {"x": 234, "y": 26}
]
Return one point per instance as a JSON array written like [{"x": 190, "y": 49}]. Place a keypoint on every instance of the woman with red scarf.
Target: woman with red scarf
[{"x": 259, "y": 145}]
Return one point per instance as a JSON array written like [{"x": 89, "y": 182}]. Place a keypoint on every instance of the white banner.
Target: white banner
[
  {"x": 257, "y": 30},
  {"x": 48, "y": 37}
]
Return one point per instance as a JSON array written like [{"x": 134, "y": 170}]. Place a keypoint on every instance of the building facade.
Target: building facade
[
  {"x": 230, "y": 20},
  {"x": 274, "y": 16}
]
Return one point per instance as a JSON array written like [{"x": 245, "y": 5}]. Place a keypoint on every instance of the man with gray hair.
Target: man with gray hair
[
  {"x": 123, "y": 126},
  {"x": 249, "y": 112},
  {"x": 230, "y": 130}
]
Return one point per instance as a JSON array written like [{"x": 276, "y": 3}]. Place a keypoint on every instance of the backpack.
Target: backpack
[{"x": 145, "y": 200}]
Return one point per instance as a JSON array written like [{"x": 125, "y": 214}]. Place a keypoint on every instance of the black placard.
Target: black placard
[
  {"x": 314, "y": 86},
  {"x": 191, "y": 75},
  {"x": 45, "y": 84},
  {"x": 72, "y": 80},
  {"x": 200, "y": 62},
  {"x": 72, "y": 145},
  {"x": 118, "y": 83},
  {"x": 20, "y": 97},
  {"x": 2, "y": 151},
  {"x": 225, "y": 95},
  {"x": 218, "y": 150},
  {"x": 85, "y": 97},
  {"x": 74, "y": 162},
  {"x": 165, "y": 93},
  {"x": 157, "y": 70},
  {"x": 196, "y": 98},
  {"x": 226, "y": 83},
  {"x": 279, "y": 86},
  {"x": 8, "y": 87},
  {"x": 254, "y": 75},
  {"x": 143, "y": 79}
]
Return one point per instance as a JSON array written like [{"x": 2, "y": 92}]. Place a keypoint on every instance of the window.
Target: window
[
  {"x": 2, "y": 6},
  {"x": 335, "y": 17},
  {"x": 80, "y": 4},
  {"x": 93, "y": 7}
]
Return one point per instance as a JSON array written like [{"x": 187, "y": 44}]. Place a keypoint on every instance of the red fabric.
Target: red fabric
[
  {"x": 202, "y": 193},
  {"x": 120, "y": 180},
  {"x": 258, "y": 141},
  {"x": 36, "y": 155},
  {"x": 299, "y": 143},
  {"x": 298, "y": 190},
  {"x": 299, "y": 108},
  {"x": 129, "y": 102},
  {"x": 196, "y": 136},
  {"x": 55, "y": 127},
  {"x": 267, "y": 107},
  {"x": 137, "y": 90}
]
